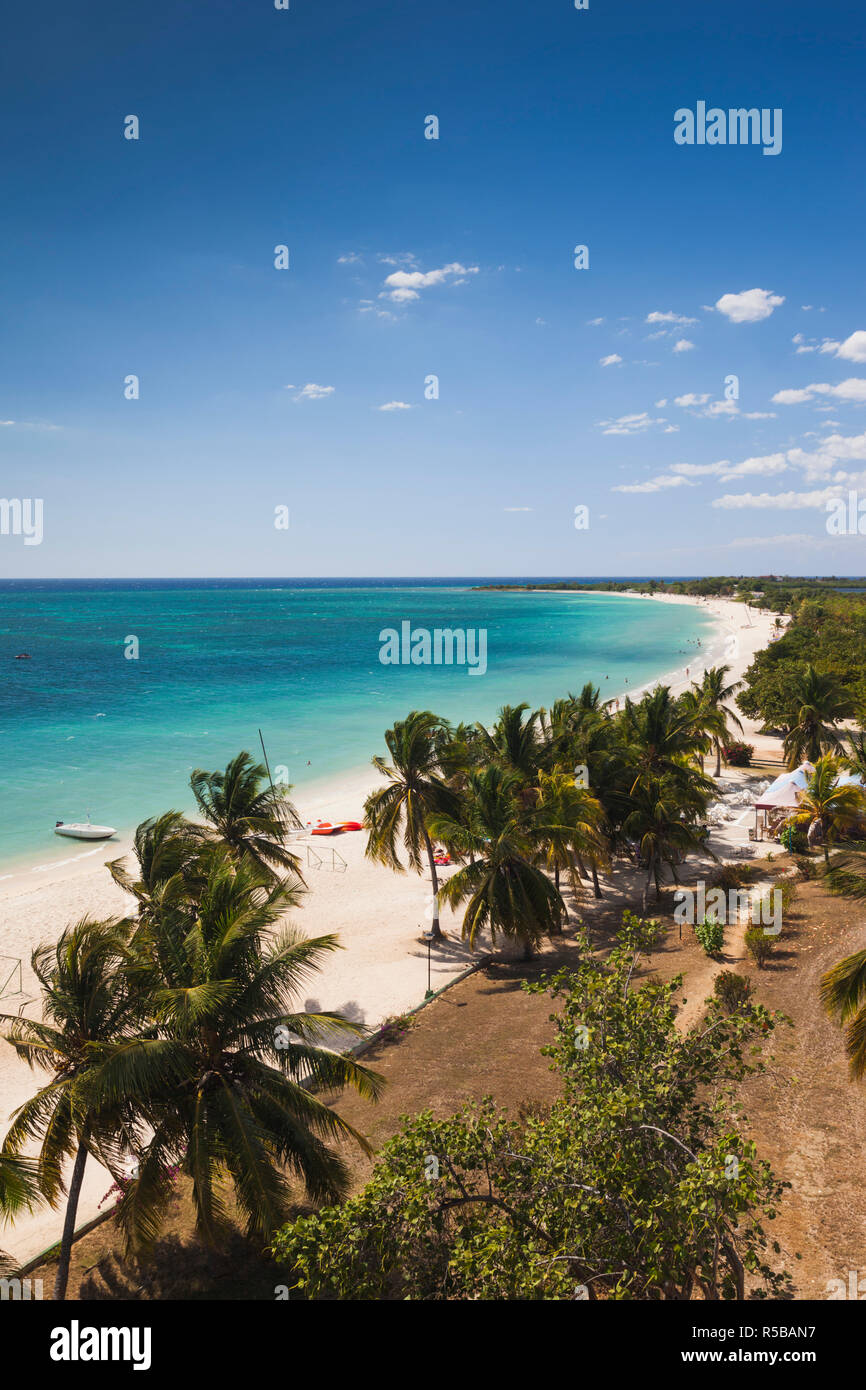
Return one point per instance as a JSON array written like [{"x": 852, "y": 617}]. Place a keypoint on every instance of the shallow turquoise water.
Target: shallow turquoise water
[{"x": 84, "y": 729}]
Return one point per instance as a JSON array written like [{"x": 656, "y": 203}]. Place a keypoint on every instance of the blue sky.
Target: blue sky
[{"x": 262, "y": 388}]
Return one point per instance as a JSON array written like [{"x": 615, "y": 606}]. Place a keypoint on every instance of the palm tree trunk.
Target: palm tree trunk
[
  {"x": 557, "y": 928},
  {"x": 435, "y": 930},
  {"x": 718, "y": 758},
  {"x": 62, "y": 1277},
  {"x": 595, "y": 884}
]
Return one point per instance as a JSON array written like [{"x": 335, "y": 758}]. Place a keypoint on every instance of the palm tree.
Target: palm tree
[
  {"x": 568, "y": 821},
  {"x": 515, "y": 742},
  {"x": 89, "y": 1008},
  {"x": 19, "y": 1191},
  {"x": 502, "y": 888},
  {"x": 249, "y": 819},
  {"x": 662, "y": 737},
  {"x": 714, "y": 690},
  {"x": 816, "y": 702},
  {"x": 843, "y": 994},
  {"x": 854, "y": 758},
  {"x": 661, "y": 819},
  {"x": 416, "y": 791},
  {"x": 827, "y": 809},
  {"x": 163, "y": 846},
  {"x": 224, "y": 1081}
]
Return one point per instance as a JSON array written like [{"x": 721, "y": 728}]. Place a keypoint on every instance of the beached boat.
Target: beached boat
[{"x": 83, "y": 830}]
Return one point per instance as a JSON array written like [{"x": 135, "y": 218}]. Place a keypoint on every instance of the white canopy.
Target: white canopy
[{"x": 785, "y": 791}]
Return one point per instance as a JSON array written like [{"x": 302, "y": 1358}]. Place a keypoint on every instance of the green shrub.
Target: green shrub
[
  {"x": 733, "y": 991},
  {"x": 734, "y": 876},
  {"x": 711, "y": 935},
  {"x": 788, "y": 889},
  {"x": 394, "y": 1028},
  {"x": 759, "y": 946},
  {"x": 739, "y": 754},
  {"x": 793, "y": 839}
]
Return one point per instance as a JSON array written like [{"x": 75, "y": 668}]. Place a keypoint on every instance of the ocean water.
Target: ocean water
[{"x": 85, "y": 729}]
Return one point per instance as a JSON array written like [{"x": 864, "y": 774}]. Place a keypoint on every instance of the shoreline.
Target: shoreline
[{"x": 379, "y": 915}]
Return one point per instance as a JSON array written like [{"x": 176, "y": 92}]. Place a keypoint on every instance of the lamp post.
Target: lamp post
[{"x": 428, "y": 937}]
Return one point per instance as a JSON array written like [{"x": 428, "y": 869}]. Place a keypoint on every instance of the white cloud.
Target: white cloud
[
  {"x": 852, "y": 350},
  {"x": 594, "y": 323},
  {"x": 350, "y": 258},
  {"x": 404, "y": 285},
  {"x": 518, "y": 509},
  {"x": 749, "y": 306},
  {"x": 767, "y": 464},
  {"x": 683, "y": 345},
  {"x": 660, "y": 405},
  {"x": 631, "y": 424},
  {"x": 760, "y": 415},
  {"x": 394, "y": 405},
  {"x": 854, "y": 389},
  {"x": 612, "y": 361},
  {"x": 312, "y": 392},
  {"x": 39, "y": 425},
  {"x": 832, "y": 451},
  {"x": 691, "y": 400},
  {"x": 668, "y": 317},
  {"x": 780, "y": 501},
  {"x": 743, "y": 541},
  {"x": 657, "y": 484},
  {"x": 369, "y": 306}
]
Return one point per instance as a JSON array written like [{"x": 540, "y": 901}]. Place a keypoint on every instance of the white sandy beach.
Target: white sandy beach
[{"x": 378, "y": 915}]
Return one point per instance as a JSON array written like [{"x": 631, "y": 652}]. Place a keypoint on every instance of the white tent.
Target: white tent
[{"x": 786, "y": 789}]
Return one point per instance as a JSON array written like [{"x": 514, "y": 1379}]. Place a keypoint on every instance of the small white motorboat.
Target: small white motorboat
[{"x": 81, "y": 830}]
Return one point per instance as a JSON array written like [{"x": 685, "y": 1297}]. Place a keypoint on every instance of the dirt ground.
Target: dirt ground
[{"x": 483, "y": 1036}]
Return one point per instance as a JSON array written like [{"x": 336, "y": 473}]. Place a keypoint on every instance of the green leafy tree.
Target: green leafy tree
[
  {"x": 816, "y": 704},
  {"x": 515, "y": 742},
  {"x": 248, "y": 816},
  {"x": 843, "y": 994},
  {"x": 638, "y": 1183},
  {"x": 89, "y": 1009},
  {"x": 504, "y": 892},
  {"x": 663, "y": 827},
  {"x": 163, "y": 846},
  {"x": 19, "y": 1191},
  {"x": 416, "y": 790},
  {"x": 568, "y": 824},
  {"x": 715, "y": 692},
  {"x": 225, "y": 1079}
]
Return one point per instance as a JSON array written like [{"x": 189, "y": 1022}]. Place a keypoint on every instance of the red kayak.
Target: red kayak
[
  {"x": 352, "y": 825},
  {"x": 324, "y": 827}
]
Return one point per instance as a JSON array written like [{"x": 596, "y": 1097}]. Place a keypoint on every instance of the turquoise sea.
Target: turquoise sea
[{"x": 85, "y": 729}]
